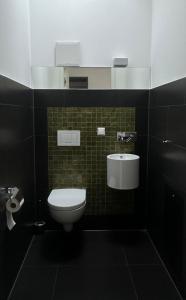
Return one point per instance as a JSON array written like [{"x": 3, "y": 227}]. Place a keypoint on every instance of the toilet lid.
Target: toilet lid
[{"x": 66, "y": 199}]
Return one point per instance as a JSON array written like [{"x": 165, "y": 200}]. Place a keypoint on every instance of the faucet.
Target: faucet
[
  {"x": 126, "y": 137},
  {"x": 120, "y": 138}
]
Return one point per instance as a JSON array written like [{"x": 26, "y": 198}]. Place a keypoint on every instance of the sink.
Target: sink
[{"x": 123, "y": 171}]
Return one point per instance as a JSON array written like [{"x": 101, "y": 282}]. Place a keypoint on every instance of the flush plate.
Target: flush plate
[{"x": 68, "y": 137}]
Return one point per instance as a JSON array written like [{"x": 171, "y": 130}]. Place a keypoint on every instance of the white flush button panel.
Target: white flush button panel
[
  {"x": 68, "y": 53},
  {"x": 100, "y": 131},
  {"x": 68, "y": 137}
]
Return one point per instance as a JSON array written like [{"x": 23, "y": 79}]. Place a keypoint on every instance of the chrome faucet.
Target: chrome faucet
[{"x": 126, "y": 137}]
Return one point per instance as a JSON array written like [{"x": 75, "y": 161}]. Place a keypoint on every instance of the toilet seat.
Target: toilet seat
[{"x": 67, "y": 199}]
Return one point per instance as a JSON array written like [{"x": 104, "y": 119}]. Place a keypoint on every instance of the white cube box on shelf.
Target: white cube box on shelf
[{"x": 68, "y": 53}]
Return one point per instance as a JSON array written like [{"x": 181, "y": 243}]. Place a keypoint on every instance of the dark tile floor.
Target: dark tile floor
[{"x": 93, "y": 265}]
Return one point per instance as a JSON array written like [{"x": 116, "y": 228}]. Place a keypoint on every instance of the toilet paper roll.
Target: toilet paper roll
[
  {"x": 14, "y": 205},
  {"x": 10, "y": 221}
]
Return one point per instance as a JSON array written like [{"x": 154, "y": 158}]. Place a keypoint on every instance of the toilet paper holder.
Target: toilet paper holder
[
  {"x": 7, "y": 193},
  {"x": 11, "y": 191},
  {"x": 10, "y": 204}
]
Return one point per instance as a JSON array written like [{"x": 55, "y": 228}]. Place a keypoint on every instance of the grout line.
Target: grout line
[
  {"x": 164, "y": 266},
  {"x": 54, "y": 284},
  {"x": 102, "y": 230},
  {"x": 24, "y": 259},
  {"x": 147, "y": 158},
  {"x": 12, "y": 105},
  {"x": 27, "y": 138},
  {"x": 40, "y": 266},
  {"x": 130, "y": 273},
  {"x": 34, "y": 154},
  {"x": 143, "y": 264},
  {"x": 118, "y": 230}
]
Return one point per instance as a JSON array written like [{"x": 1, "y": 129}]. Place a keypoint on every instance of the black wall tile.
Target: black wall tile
[
  {"x": 175, "y": 166},
  {"x": 11, "y": 129},
  {"x": 14, "y": 93},
  {"x": 106, "y": 98},
  {"x": 158, "y": 122},
  {"x": 44, "y": 98},
  {"x": 142, "y": 120},
  {"x": 169, "y": 94},
  {"x": 176, "y": 124},
  {"x": 41, "y": 144},
  {"x": 40, "y": 121},
  {"x": 17, "y": 169},
  {"x": 91, "y": 98},
  {"x": 167, "y": 173}
]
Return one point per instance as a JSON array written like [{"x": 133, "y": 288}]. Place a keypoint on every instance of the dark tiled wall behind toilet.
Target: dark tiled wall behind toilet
[
  {"x": 16, "y": 169},
  {"x": 167, "y": 176},
  {"x": 131, "y": 107},
  {"x": 85, "y": 166}
]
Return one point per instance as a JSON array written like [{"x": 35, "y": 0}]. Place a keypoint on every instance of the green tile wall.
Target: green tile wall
[{"x": 85, "y": 166}]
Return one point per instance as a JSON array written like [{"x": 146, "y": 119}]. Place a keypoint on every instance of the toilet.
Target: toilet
[{"x": 67, "y": 206}]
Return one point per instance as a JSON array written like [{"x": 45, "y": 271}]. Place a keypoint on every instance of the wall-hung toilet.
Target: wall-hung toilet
[{"x": 67, "y": 206}]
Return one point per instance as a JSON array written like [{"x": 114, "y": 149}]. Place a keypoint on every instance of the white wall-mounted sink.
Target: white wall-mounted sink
[{"x": 123, "y": 171}]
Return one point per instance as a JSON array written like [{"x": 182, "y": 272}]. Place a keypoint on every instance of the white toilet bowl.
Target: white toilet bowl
[{"x": 67, "y": 206}]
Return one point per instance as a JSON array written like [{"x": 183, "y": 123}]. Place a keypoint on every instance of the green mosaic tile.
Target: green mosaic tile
[{"x": 85, "y": 166}]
